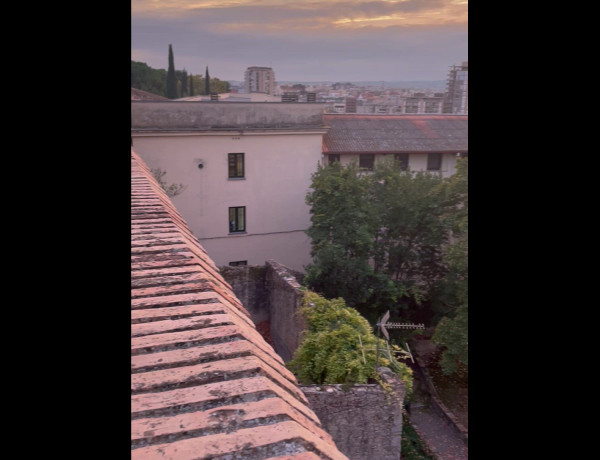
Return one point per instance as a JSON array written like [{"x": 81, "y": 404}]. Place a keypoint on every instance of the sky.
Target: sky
[{"x": 304, "y": 40}]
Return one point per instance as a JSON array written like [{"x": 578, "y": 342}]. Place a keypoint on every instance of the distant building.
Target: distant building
[
  {"x": 350, "y": 105},
  {"x": 260, "y": 80},
  {"x": 418, "y": 103},
  {"x": 457, "y": 90}
]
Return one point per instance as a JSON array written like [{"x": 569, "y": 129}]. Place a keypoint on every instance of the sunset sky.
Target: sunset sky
[{"x": 304, "y": 40}]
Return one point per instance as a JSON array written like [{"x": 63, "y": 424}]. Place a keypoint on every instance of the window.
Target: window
[
  {"x": 434, "y": 162},
  {"x": 236, "y": 165},
  {"x": 333, "y": 157},
  {"x": 237, "y": 219},
  {"x": 366, "y": 161},
  {"x": 237, "y": 263},
  {"x": 402, "y": 158}
]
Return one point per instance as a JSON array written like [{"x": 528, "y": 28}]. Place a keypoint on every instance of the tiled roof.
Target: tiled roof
[
  {"x": 204, "y": 383},
  {"x": 395, "y": 133},
  {"x": 140, "y": 95}
]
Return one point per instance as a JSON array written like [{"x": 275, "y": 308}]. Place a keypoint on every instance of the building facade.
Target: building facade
[
  {"x": 246, "y": 169},
  {"x": 419, "y": 142},
  {"x": 457, "y": 90},
  {"x": 260, "y": 80}
]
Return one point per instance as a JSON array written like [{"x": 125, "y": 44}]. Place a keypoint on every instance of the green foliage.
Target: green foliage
[
  {"x": 377, "y": 238},
  {"x": 148, "y": 79},
  {"x": 155, "y": 81},
  {"x": 171, "y": 189},
  {"x": 330, "y": 351},
  {"x": 207, "y": 82},
  {"x": 341, "y": 233},
  {"x": 171, "y": 90},
  {"x": 413, "y": 447},
  {"x": 452, "y": 330},
  {"x": 182, "y": 78}
]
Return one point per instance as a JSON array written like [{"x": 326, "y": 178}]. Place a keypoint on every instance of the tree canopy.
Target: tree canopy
[
  {"x": 376, "y": 237},
  {"x": 155, "y": 81},
  {"x": 394, "y": 240}
]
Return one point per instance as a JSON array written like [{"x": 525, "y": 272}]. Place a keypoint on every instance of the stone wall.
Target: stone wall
[
  {"x": 248, "y": 284},
  {"x": 284, "y": 301},
  {"x": 365, "y": 421},
  {"x": 271, "y": 293}
]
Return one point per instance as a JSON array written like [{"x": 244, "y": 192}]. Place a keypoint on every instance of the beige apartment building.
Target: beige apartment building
[
  {"x": 260, "y": 80},
  {"x": 246, "y": 169}
]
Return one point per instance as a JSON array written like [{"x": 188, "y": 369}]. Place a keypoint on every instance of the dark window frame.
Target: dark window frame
[
  {"x": 366, "y": 161},
  {"x": 233, "y": 166},
  {"x": 238, "y": 263},
  {"x": 402, "y": 158},
  {"x": 237, "y": 225},
  {"x": 434, "y": 161},
  {"x": 333, "y": 157}
]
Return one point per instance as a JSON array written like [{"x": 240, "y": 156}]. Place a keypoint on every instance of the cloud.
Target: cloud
[{"x": 305, "y": 40}]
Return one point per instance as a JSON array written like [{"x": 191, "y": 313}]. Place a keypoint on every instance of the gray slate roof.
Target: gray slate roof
[{"x": 350, "y": 133}]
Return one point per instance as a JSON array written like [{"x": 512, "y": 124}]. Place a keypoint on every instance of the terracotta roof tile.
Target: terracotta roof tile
[{"x": 204, "y": 383}]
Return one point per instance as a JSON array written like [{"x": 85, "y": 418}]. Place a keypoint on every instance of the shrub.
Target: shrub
[{"x": 330, "y": 351}]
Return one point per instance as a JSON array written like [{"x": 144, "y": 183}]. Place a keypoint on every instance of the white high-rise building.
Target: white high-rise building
[
  {"x": 457, "y": 90},
  {"x": 260, "y": 80}
]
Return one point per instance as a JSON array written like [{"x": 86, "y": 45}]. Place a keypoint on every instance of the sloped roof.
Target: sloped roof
[
  {"x": 140, "y": 95},
  {"x": 205, "y": 384},
  {"x": 350, "y": 133}
]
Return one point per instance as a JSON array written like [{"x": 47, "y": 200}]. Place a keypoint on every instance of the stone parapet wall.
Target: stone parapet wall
[
  {"x": 248, "y": 284},
  {"x": 285, "y": 299},
  {"x": 271, "y": 293},
  {"x": 365, "y": 421}
]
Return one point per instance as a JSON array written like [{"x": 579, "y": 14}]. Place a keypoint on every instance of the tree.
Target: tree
[
  {"x": 171, "y": 92},
  {"x": 377, "y": 238},
  {"x": 410, "y": 231},
  {"x": 452, "y": 331},
  {"x": 341, "y": 232},
  {"x": 207, "y": 82},
  {"x": 148, "y": 79},
  {"x": 330, "y": 351},
  {"x": 191, "y": 90},
  {"x": 170, "y": 189},
  {"x": 182, "y": 80}
]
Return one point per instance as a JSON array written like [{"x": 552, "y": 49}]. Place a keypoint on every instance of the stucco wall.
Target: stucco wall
[
  {"x": 278, "y": 170},
  {"x": 364, "y": 421}
]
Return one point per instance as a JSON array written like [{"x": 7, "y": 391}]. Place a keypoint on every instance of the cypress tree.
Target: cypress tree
[
  {"x": 191, "y": 91},
  {"x": 184, "y": 86},
  {"x": 207, "y": 82},
  {"x": 171, "y": 80}
]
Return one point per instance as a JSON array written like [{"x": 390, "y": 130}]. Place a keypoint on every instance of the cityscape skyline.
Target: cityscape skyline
[{"x": 351, "y": 40}]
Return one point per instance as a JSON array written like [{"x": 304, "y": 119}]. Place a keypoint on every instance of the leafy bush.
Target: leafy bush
[{"x": 330, "y": 351}]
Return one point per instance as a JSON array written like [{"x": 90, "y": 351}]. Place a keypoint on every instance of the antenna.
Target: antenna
[{"x": 383, "y": 326}]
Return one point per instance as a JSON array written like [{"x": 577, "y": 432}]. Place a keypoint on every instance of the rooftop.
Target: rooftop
[
  {"x": 350, "y": 133},
  {"x": 163, "y": 116},
  {"x": 204, "y": 383}
]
